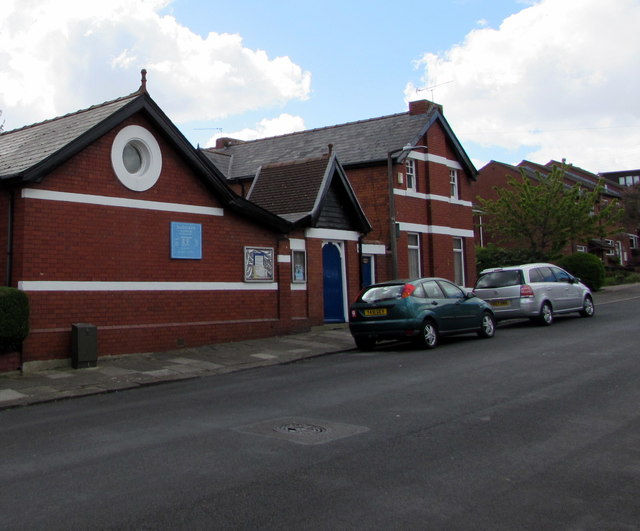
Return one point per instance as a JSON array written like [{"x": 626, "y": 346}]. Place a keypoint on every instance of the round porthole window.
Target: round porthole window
[{"x": 136, "y": 158}]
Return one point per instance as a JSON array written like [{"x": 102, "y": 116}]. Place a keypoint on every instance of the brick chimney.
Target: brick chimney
[
  {"x": 225, "y": 142},
  {"x": 422, "y": 107}
]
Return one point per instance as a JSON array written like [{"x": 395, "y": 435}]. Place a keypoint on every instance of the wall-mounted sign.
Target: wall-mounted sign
[
  {"x": 258, "y": 264},
  {"x": 186, "y": 240}
]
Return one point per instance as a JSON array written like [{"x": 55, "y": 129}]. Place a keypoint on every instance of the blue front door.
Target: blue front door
[
  {"x": 367, "y": 270},
  {"x": 333, "y": 288}
]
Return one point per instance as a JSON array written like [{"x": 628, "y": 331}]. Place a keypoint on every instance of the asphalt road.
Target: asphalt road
[{"x": 537, "y": 428}]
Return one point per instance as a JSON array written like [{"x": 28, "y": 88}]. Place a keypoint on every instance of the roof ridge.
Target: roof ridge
[
  {"x": 294, "y": 162},
  {"x": 305, "y": 131},
  {"x": 74, "y": 113}
]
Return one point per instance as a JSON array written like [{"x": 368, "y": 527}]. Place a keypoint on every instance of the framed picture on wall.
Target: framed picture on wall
[{"x": 258, "y": 264}]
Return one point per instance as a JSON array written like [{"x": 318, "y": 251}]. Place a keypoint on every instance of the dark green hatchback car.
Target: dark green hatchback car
[{"x": 421, "y": 310}]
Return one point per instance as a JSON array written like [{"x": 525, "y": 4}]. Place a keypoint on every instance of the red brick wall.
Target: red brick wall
[
  {"x": 64, "y": 241},
  {"x": 371, "y": 187}
]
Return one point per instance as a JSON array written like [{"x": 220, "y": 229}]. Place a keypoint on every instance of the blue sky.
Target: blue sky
[
  {"x": 361, "y": 54},
  {"x": 538, "y": 79}
]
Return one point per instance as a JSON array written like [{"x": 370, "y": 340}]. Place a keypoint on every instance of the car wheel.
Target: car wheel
[
  {"x": 365, "y": 343},
  {"x": 588, "y": 308},
  {"x": 488, "y": 328},
  {"x": 429, "y": 337},
  {"x": 546, "y": 315}
]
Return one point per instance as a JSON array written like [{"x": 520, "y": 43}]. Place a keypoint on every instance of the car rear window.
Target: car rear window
[
  {"x": 499, "y": 279},
  {"x": 381, "y": 293}
]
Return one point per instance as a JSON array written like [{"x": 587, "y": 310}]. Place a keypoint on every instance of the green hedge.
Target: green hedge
[
  {"x": 494, "y": 256},
  {"x": 14, "y": 317},
  {"x": 587, "y": 267}
]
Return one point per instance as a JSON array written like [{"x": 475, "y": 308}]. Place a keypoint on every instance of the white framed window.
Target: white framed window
[
  {"x": 136, "y": 158},
  {"x": 611, "y": 248},
  {"x": 633, "y": 241},
  {"x": 458, "y": 261},
  {"x": 298, "y": 266},
  {"x": 410, "y": 165},
  {"x": 581, "y": 249},
  {"x": 453, "y": 183},
  {"x": 413, "y": 241}
]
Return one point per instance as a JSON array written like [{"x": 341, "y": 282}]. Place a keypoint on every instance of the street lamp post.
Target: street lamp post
[{"x": 393, "y": 236}]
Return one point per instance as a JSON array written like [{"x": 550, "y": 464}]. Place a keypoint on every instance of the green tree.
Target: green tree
[{"x": 545, "y": 214}]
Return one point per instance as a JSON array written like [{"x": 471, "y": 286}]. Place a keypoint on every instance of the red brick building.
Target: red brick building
[
  {"x": 424, "y": 227},
  {"x": 110, "y": 217}
]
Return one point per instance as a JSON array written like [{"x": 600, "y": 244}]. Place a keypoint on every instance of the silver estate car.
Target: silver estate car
[{"x": 536, "y": 291}]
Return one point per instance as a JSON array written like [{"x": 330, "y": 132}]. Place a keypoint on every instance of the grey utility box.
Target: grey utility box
[{"x": 84, "y": 345}]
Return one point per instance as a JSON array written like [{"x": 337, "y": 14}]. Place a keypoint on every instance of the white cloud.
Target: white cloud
[
  {"x": 58, "y": 56},
  {"x": 559, "y": 76},
  {"x": 282, "y": 125}
]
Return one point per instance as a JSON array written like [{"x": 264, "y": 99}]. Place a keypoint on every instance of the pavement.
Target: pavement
[{"x": 117, "y": 373}]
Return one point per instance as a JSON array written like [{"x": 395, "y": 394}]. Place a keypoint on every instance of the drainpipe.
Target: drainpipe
[
  {"x": 360, "y": 259},
  {"x": 10, "y": 210}
]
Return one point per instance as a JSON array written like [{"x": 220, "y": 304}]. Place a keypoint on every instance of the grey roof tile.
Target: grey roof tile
[
  {"x": 21, "y": 149},
  {"x": 354, "y": 142}
]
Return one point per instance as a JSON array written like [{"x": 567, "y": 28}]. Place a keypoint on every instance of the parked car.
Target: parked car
[
  {"x": 421, "y": 310},
  {"x": 536, "y": 291}
]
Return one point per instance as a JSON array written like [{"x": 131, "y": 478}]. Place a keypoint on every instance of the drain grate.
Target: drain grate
[
  {"x": 297, "y": 427},
  {"x": 302, "y": 430}
]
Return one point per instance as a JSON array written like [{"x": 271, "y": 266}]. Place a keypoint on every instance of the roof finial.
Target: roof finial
[{"x": 143, "y": 84}]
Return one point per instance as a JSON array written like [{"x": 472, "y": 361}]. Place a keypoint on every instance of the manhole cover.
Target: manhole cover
[
  {"x": 302, "y": 430},
  {"x": 296, "y": 427}
]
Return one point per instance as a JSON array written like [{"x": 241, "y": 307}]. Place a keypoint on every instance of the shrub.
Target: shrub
[
  {"x": 494, "y": 256},
  {"x": 14, "y": 317},
  {"x": 587, "y": 267}
]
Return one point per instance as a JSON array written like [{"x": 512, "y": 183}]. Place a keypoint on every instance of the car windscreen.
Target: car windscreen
[
  {"x": 499, "y": 279},
  {"x": 381, "y": 293}
]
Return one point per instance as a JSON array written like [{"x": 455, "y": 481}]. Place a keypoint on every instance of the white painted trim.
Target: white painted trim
[
  {"x": 151, "y": 158},
  {"x": 284, "y": 259},
  {"x": 432, "y": 197},
  {"x": 297, "y": 244},
  {"x": 435, "y": 229},
  {"x": 55, "y": 285},
  {"x": 437, "y": 159},
  {"x": 49, "y": 195},
  {"x": 298, "y": 286},
  {"x": 332, "y": 234},
  {"x": 373, "y": 248}
]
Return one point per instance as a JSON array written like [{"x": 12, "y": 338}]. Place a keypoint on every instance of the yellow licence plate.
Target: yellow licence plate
[
  {"x": 375, "y": 312},
  {"x": 499, "y": 303}
]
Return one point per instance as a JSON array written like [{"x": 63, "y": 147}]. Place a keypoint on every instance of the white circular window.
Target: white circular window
[{"x": 136, "y": 158}]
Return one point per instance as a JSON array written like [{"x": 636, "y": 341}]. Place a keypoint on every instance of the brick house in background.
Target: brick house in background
[
  {"x": 616, "y": 251},
  {"x": 111, "y": 217},
  {"x": 622, "y": 178},
  {"x": 424, "y": 227}
]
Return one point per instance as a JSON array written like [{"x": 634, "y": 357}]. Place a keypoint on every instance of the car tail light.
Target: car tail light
[
  {"x": 526, "y": 291},
  {"x": 408, "y": 290}
]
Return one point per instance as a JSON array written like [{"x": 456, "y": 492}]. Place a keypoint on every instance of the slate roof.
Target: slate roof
[
  {"x": 295, "y": 190},
  {"x": 356, "y": 143},
  {"x": 30, "y": 153},
  {"x": 573, "y": 173},
  {"x": 26, "y": 148}
]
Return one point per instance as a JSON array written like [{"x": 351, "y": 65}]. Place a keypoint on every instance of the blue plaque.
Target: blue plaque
[{"x": 186, "y": 240}]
